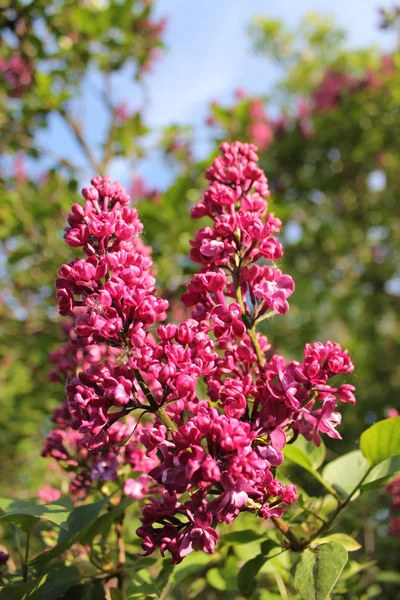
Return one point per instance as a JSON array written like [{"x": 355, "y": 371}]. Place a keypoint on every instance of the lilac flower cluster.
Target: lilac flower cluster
[
  {"x": 222, "y": 412},
  {"x": 17, "y": 74},
  {"x": 393, "y": 488}
]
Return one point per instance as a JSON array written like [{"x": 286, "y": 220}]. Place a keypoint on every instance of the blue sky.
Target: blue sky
[{"x": 209, "y": 55}]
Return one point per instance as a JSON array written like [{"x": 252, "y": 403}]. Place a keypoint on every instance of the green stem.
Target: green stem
[
  {"x": 145, "y": 390},
  {"x": 267, "y": 315},
  {"x": 326, "y": 485},
  {"x": 312, "y": 513},
  {"x": 239, "y": 297},
  {"x": 295, "y": 544},
  {"x": 26, "y": 559},
  {"x": 342, "y": 505},
  {"x": 76, "y": 129},
  {"x": 161, "y": 413},
  {"x": 253, "y": 338},
  {"x": 250, "y": 330},
  {"x": 165, "y": 592}
]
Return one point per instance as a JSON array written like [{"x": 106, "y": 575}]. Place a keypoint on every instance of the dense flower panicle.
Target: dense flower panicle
[
  {"x": 114, "y": 283},
  {"x": 242, "y": 235},
  {"x": 200, "y": 461},
  {"x": 110, "y": 298},
  {"x": 223, "y": 455}
]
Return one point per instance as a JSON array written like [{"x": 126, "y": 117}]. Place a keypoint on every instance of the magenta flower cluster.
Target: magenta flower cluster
[
  {"x": 217, "y": 407},
  {"x": 394, "y": 524},
  {"x": 248, "y": 114},
  {"x": 17, "y": 74}
]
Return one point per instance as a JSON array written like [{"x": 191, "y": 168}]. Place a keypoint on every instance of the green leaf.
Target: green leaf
[
  {"x": 381, "y": 473},
  {"x": 26, "y": 515},
  {"x": 298, "y": 456},
  {"x": 22, "y": 591},
  {"x": 388, "y": 577},
  {"x": 349, "y": 543},
  {"x": 193, "y": 563},
  {"x": 381, "y": 441},
  {"x": 317, "y": 571},
  {"x": 247, "y": 575},
  {"x": 86, "y": 591},
  {"x": 59, "y": 580},
  {"x": 355, "y": 567},
  {"x": 216, "y": 579},
  {"x": 242, "y": 537},
  {"x": 116, "y": 594},
  {"x": 164, "y": 576},
  {"x": 345, "y": 472},
  {"x": 78, "y": 524},
  {"x": 315, "y": 454},
  {"x": 103, "y": 523},
  {"x": 269, "y": 545},
  {"x": 303, "y": 457},
  {"x": 143, "y": 591}
]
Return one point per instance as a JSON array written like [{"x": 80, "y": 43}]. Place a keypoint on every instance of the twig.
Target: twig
[
  {"x": 342, "y": 505},
  {"x": 267, "y": 315},
  {"x": 161, "y": 413},
  {"x": 289, "y": 535},
  {"x": 108, "y": 145},
  {"x": 253, "y": 338},
  {"x": 76, "y": 129}
]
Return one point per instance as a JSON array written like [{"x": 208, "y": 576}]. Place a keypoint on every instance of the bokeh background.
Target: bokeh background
[{"x": 145, "y": 92}]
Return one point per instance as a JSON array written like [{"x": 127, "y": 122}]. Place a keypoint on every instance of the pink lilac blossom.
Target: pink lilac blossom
[
  {"x": 49, "y": 494},
  {"x": 259, "y": 130},
  {"x": 140, "y": 190},
  {"x": 248, "y": 114},
  {"x": 335, "y": 84},
  {"x": 394, "y": 490},
  {"x": 150, "y": 31},
  {"x": 4, "y": 558},
  {"x": 221, "y": 455},
  {"x": 17, "y": 74},
  {"x": 199, "y": 460}
]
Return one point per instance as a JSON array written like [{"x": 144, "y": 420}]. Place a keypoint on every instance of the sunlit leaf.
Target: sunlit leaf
[
  {"x": 381, "y": 441},
  {"x": 317, "y": 571}
]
